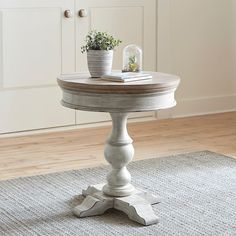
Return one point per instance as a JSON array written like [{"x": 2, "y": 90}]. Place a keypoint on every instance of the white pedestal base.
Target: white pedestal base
[{"x": 137, "y": 206}]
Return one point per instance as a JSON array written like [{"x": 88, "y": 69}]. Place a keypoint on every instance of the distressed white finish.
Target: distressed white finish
[
  {"x": 84, "y": 93},
  {"x": 119, "y": 152},
  {"x": 115, "y": 103},
  {"x": 118, "y": 192},
  {"x": 137, "y": 206}
]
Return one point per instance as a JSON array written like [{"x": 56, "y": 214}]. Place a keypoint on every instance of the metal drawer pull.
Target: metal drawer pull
[
  {"x": 82, "y": 13},
  {"x": 68, "y": 14}
]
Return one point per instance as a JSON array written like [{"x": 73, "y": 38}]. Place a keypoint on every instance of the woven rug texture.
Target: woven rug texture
[{"x": 197, "y": 191}]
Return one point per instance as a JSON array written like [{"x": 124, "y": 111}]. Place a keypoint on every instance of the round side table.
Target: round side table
[{"x": 84, "y": 93}]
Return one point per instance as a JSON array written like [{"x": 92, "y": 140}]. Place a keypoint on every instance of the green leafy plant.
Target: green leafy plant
[
  {"x": 133, "y": 66},
  {"x": 132, "y": 59},
  {"x": 96, "y": 40}
]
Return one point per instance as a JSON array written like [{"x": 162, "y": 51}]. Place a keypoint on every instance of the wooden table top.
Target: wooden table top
[{"x": 81, "y": 82}]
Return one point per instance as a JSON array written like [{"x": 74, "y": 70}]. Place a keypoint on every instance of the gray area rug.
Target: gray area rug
[{"x": 198, "y": 192}]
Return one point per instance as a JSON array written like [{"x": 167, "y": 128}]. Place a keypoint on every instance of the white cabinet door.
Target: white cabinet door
[
  {"x": 132, "y": 21},
  {"x": 36, "y": 45}
]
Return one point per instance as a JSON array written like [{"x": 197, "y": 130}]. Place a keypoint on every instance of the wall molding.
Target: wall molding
[
  {"x": 164, "y": 23},
  {"x": 200, "y": 106}
]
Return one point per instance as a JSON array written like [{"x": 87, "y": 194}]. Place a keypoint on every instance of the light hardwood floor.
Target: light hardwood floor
[{"x": 59, "y": 151}]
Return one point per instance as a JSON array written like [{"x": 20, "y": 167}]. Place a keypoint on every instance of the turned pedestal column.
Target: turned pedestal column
[{"x": 119, "y": 152}]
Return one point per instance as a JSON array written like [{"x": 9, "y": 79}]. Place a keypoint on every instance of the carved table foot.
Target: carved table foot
[{"x": 137, "y": 206}]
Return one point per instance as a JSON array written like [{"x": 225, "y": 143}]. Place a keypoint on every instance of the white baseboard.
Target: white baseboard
[
  {"x": 200, "y": 106},
  {"x": 73, "y": 127}
]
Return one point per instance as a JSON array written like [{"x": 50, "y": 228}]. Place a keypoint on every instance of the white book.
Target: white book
[{"x": 126, "y": 76}]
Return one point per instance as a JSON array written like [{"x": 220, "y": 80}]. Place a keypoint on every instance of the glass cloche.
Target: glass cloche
[{"x": 132, "y": 58}]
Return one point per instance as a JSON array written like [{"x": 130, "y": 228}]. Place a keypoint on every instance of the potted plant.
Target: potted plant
[{"x": 99, "y": 47}]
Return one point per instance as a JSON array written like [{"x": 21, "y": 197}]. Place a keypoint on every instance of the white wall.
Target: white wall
[
  {"x": 195, "y": 41},
  {"x": 234, "y": 39}
]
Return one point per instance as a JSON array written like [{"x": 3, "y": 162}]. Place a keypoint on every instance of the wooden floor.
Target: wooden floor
[{"x": 58, "y": 151}]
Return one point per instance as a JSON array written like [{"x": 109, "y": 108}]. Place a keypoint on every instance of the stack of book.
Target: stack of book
[{"x": 126, "y": 77}]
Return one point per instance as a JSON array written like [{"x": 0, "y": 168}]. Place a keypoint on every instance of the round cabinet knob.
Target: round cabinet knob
[
  {"x": 68, "y": 14},
  {"x": 83, "y": 13}
]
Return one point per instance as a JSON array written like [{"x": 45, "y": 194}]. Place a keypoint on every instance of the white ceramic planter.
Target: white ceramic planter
[{"x": 99, "y": 62}]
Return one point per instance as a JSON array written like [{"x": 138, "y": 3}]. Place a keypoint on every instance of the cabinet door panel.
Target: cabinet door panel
[
  {"x": 87, "y": 117},
  {"x": 36, "y": 45},
  {"x": 36, "y": 108},
  {"x": 134, "y": 22},
  {"x": 31, "y": 49}
]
